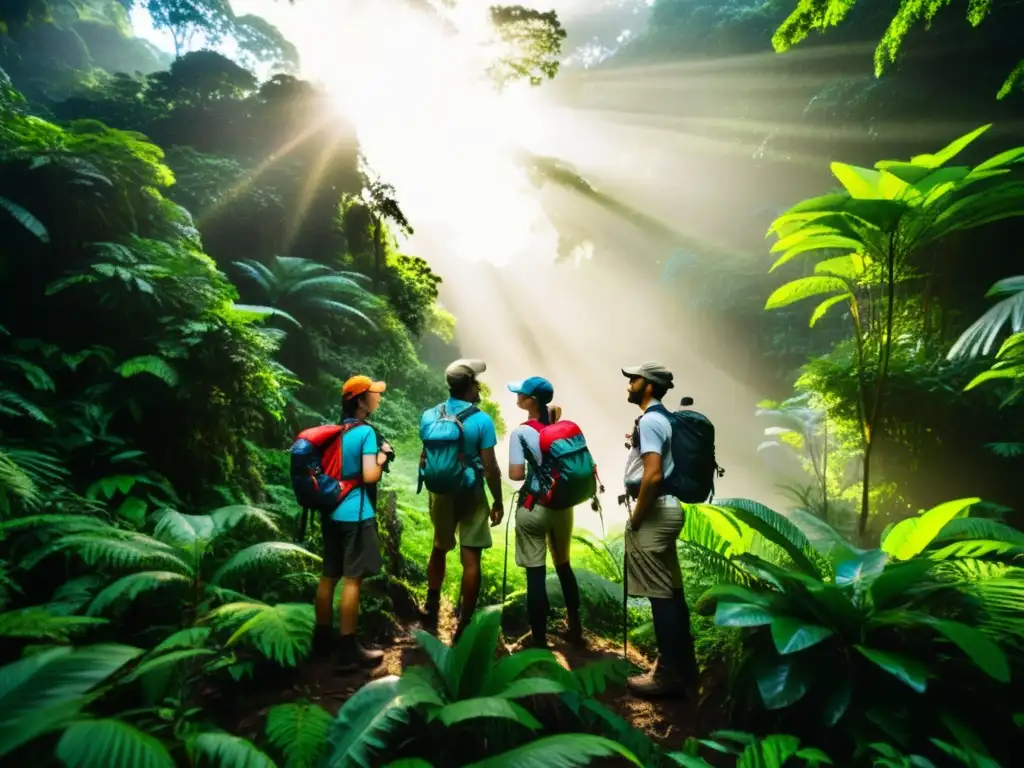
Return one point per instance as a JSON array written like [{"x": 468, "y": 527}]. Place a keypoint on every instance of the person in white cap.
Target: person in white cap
[
  {"x": 457, "y": 460},
  {"x": 654, "y": 526}
]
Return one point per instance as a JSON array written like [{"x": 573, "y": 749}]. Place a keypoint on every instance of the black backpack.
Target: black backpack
[{"x": 693, "y": 455}]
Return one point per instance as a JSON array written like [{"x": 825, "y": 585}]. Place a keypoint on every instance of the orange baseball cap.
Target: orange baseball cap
[{"x": 357, "y": 385}]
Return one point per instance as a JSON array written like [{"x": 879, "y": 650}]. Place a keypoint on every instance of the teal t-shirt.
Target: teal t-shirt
[
  {"x": 478, "y": 430},
  {"x": 357, "y": 442}
]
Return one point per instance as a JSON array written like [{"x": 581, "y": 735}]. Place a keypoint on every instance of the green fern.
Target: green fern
[
  {"x": 226, "y": 750},
  {"x": 259, "y": 556},
  {"x": 566, "y": 750},
  {"x": 123, "y": 553},
  {"x": 129, "y": 587},
  {"x": 151, "y": 364},
  {"x": 281, "y": 633},
  {"x": 110, "y": 743},
  {"x": 299, "y": 731},
  {"x": 14, "y": 405},
  {"x": 38, "y": 623}
]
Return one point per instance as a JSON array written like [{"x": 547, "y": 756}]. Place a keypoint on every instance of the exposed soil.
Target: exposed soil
[{"x": 668, "y": 722}]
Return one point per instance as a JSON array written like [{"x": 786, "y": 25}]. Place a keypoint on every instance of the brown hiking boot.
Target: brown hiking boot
[
  {"x": 574, "y": 633},
  {"x": 351, "y": 655},
  {"x": 660, "y": 682}
]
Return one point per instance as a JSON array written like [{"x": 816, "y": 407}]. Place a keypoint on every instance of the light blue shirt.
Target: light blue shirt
[
  {"x": 516, "y": 454},
  {"x": 357, "y": 442},
  {"x": 655, "y": 437},
  {"x": 478, "y": 430}
]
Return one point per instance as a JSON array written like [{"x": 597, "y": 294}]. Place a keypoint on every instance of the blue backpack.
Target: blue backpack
[{"x": 444, "y": 466}]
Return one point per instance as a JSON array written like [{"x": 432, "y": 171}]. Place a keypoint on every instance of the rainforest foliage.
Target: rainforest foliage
[{"x": 184, "y": 284}]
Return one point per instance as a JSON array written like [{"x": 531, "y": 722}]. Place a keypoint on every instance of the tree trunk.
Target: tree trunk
[{"x": 378, "y": 254}]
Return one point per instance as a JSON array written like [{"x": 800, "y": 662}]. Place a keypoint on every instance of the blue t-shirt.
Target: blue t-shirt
[
  {"x": 478, "y": 430},
  {"x": 357, "y": 442},
  {"x": 516, "y": 454}
]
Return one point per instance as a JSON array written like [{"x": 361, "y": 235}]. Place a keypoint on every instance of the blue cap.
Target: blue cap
[{"x": 536, "y": 387}]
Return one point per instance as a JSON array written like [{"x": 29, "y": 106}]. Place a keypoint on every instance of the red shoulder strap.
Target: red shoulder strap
[{"x": 534, "y": 424}]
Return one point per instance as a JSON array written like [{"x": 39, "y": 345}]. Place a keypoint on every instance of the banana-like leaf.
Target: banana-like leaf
[
  {"x": 111, "y": 743},
  {"x": 566, "y": 750}
]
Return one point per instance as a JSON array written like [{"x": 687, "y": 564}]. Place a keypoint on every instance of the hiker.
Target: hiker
[
  {"x": 539, "y": 527},
  {"x": 653, "y": 528},
  {"x": 457, "y": 460},
  {"x": 351, "y": 545}
]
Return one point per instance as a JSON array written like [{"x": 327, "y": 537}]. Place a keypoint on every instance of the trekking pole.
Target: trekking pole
[
  {"x": 504, "y": 574},
  {"x": 625, "y": 582}
]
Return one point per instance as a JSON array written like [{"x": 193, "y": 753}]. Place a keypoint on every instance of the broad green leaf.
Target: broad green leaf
[
  {"x": 133, "y": 509},
  {"x": 732, "y": 593},
  {"x": 908, "y": 670},
  {"x": 860, "y": 573},
  {"x": 131, "y": 586},
  {"x": 532, "y": 686},
  {"x": 826, "y": 305},
  {"x": 804, "y": 288},
  {"x": 950, "y": 151},
  {"x": 839, "y": 696},
  {"x": 978, "y": 647},
  {"x": 567, "y": 750},
  {"x": 781, "y": 683},
  {"x": 110, "y": 744},
  {"x": 793, "y": 635},
  {"x": 364, "y": 722},
  {"x": 490, "y": 707},
  {"x": 1009, "y": 157},
  {"x": 850, "y": 266},
  {"x": 776, "y": 528},
  {"x": 44, "y": 691},
  {"x": 815, "y": 243},
  {"x": 861, "y": 183},
  {"x": 978, "y": 548},
  {"x": 509, "y": 668},
  {"x": 473, "y": 655},
  {"x": 770, "y": 752},
  {"x": 909, "y": 537},
  {"x": 227, "y": 751},
  {"x": 742, "y": 615}
]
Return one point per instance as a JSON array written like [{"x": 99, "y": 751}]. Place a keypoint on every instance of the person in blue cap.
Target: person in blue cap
[{"x": 541, "y": 528}]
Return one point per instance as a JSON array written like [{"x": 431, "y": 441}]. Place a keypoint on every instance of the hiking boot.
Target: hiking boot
[
  {"x": 574, "y": 633},
  {"x": 660, "y": 682},
  {"x": 324, "y": 642},
  {"x": 351, "y": 655}
]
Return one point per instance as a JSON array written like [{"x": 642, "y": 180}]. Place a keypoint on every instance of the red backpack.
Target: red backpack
[{"x": 567, "y": 474}]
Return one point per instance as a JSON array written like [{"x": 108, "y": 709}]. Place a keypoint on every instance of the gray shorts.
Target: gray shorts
[{"x": 652, "y": 561}]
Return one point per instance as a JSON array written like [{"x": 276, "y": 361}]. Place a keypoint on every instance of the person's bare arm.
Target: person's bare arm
[
  {"x": 516, "y": 472},
  {"x": 373, "y": 467},
  {"x": 492, "y": 474},
  {"x": 650, "y": 488}
]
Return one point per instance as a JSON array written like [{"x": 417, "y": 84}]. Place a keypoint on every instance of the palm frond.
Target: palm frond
[
  {"x": 129, "y": 587},
  {"x": 299, "y": 731},
  {"x": 215, "y": 748},
  {"x": 132, "y": 552},
  {"x": 282, "y": 633},
  {"x": 981, "y": 335},
  {"x": 110, "y": 743}
]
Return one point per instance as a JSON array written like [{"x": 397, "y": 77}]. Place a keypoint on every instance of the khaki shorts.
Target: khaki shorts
[
  {"x": 469, "y": 513},
  {"x": 652, "y": 561},
  {"x": 540, "y": 528}
]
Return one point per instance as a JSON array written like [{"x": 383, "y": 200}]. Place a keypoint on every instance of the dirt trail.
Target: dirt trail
[{"x": 667, "y": 722}]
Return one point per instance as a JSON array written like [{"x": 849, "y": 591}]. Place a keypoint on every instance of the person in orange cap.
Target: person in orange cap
[{"x": 351, "y": 545}]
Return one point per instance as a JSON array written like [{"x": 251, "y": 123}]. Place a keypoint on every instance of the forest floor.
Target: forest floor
[{"x": 668, "y": 722}]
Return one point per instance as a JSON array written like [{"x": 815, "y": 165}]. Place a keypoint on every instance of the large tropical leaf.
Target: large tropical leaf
[
  {"x": 227, "y": 751},
  {"x": 566, "y": 750},
  {"x": 364, "y": 723},
  {"x": 910, "y": 537},
  {"x": 473, "y": 655},
  {"x": 110, "y": 744},
  {"x": 47, "y": 690},
  {"x": 979, "y": 338}
]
